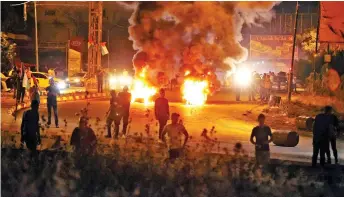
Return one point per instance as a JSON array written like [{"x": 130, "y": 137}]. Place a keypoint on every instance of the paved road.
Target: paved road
[{"x": 230, "y": 124}]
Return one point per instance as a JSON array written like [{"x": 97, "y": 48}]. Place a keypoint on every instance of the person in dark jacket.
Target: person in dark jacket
[
  {"x": 321, "y": 136},
  {"x": 30, "y": 129},
  {"x": 124, "y": 99},
  {"x": 333, "y": 130},
  {"x": 52, "y": 91},
  {"x": 34, "y": 94},
  {"x": 261, "y": 133},
  {"x": 83, "y": 139},
  {"x": 100, "y": 80},
  {"x": 113, "y": 113},
  {"x": 162, "y": 111}
]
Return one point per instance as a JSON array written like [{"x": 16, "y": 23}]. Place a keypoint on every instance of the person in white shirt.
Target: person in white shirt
[{"x": 175, "y": 133}]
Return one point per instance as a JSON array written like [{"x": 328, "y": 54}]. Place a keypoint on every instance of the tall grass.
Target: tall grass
[{"x": 140, "y": 169}]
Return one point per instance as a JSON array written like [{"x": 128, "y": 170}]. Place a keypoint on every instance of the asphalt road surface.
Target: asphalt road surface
[{"x": 230, "y": 124}]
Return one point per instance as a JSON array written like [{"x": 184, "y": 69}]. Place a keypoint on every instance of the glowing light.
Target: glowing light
[
  {"x": 187, "y": 73},
  {"x": 61, "y": 85},
  {"x": 77, "y": 80},
  {"x": 195, "y": 92},
  {"x": 141, "y": 89},
  {"x": 120, "y": 81},
  {"x": 243, "y": 77},
  {"x": 112, "y": 82}
]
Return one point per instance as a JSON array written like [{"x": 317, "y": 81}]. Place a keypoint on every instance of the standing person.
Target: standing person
[
  {"x": 321, "y": 136},
  {"x": 113, "y": 114},
  {"x": 30, "y": 130},
  {"x": 124, "y": 99},
  {"x": 294, "y": 84},
  {"x": 262, "y": 88},
  {"x": 267, "y": 87},
  {"x": 83, "y": 139},
  {"x": 53, "y": 91},
  {"x": 261, "y": 133},
  {"x": 175, "y": 131},
  {"x": 237, "y": 93},
  {"x": 100, "y": 75},
  {"x": 162, "y": 111},
  {"x": 14, "y": 80},
  {"x": 252, "y": 88},
  {"x": 51, "y": 73},
  {"x": 333, "y": 129},
  {"x": 28, "y": 84},
  {"x": 24, "y": 85},
  {"x": 34, "y": 94}
]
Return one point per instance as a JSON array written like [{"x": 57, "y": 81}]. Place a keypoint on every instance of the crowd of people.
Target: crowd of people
[
  {"x": 23, "y": 83},
  {"x": 262, "y": 85},
  {"x": 84, "y": 139}
]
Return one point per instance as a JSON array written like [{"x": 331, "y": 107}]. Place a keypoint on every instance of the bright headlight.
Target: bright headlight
[
  {"x": 112, "y": 80},
  {"x": 61, "y": 85},
  {"x": 243, "y": 77}
]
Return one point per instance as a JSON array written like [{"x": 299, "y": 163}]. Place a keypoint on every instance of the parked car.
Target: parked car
[
  {"x": 43, "y": 81},
  {"x": 78, "y": 79}
]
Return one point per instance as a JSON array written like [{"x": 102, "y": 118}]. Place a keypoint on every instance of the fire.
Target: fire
[
  {"x": 187, "y": 73},
  {"x": 195, "y": 92},
  {"x": 141, "y": 89}
]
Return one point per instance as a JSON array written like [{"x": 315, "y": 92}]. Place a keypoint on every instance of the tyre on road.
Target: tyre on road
[
  {"x": 305, "y": 123},
  {"x": 285, "y": 138}
]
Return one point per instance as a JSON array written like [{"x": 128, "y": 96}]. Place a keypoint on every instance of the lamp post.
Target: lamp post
[
  {"x": 36, "y": 38},
  {"x": 293, "y": 54}
]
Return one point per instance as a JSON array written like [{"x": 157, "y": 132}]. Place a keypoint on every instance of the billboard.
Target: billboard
[
  {"x": 74, "y": 55},
  {"x": 271, "y": 47},
  {"x": 74, "y": 62}
]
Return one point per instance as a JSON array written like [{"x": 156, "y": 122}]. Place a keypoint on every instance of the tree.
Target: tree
[
  {"x": 307, "y": 40},
  {"x": 8, "y": 51}
]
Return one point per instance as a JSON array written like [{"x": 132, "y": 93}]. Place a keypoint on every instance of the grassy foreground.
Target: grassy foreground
[{"x": 137, "y": 168}]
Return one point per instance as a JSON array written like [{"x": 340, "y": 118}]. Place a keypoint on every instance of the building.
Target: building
[{"x": 61, "y": 21}]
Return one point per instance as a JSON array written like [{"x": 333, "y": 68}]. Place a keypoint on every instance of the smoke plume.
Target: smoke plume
[{"x": 195, "y": 36}]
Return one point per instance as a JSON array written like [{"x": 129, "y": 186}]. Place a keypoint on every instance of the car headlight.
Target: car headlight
[
  {"x": 243, "y": 77},
  {"x": 112, "y": 80},
  {"x": 61, "y": 85}
]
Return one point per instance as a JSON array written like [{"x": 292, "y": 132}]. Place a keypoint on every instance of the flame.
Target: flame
[
  {"x": 141, "y": 89},
  {"x": 187, "y": 73},
  {"x": 195, "y": 92}
]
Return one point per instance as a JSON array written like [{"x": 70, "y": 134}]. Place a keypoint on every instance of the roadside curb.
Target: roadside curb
[{"x": 64, "y": 98}]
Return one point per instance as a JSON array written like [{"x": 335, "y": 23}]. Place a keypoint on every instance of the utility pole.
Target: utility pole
[
  {"x": 293, "y": 54},
  {"x": 108, "y": 42},
  {"x": 95, "y": 36},
  {"x": 316, "y": 48},
  {"x": 36, "y": 38}
]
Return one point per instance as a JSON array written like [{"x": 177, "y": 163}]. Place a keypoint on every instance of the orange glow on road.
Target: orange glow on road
[{"x": 195, "y": 92}]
